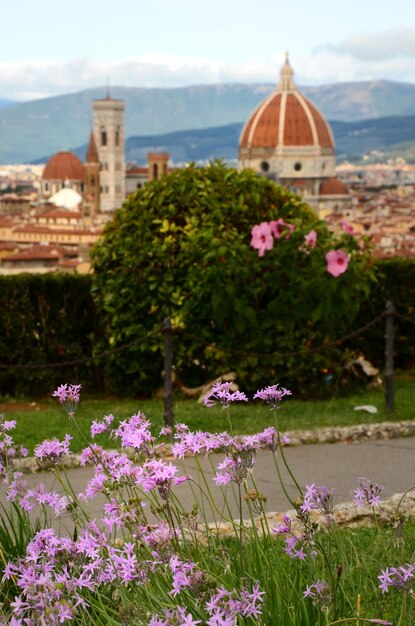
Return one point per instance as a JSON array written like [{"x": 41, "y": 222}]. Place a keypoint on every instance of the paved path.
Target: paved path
[{"x": 391, "y": 463}]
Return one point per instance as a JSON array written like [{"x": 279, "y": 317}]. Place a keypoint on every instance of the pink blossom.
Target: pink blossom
[
  {"x": 279, "y": 227},
  {"x": 347, "y": 227},
  {"x": 337, "y": 262},
  {"x": 311, "y": 239},
  {"x": 222, "y": 393},
  {"x": 262, "y": 238}
]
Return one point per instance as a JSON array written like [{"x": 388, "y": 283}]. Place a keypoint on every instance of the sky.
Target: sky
[{"x": 49, "y": 48}]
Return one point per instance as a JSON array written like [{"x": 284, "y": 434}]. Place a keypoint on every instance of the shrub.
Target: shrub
[
  {"x": 45, "y": 319},
  {"x": 395, "y": 283},
  {"x": 180, "y": 249}
]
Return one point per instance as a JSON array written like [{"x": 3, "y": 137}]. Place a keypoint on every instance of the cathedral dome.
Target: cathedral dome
[
  {"x": 64, "y": 166},
  {"x": 287, "y": 137},
  {"x": 333, "y": 187},
  {"x": 286, "y": 119}
]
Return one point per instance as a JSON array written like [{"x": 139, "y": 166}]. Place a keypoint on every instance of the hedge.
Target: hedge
[
  {"x": 396, "y": 283},
  {"x": 46, "y": 319},
  {"x": 51, "y": 318}
]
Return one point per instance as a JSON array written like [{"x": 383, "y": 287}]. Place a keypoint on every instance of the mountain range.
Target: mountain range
[
  {"x": 378, "y": 139},
  {"x": 35, "y": 129}
]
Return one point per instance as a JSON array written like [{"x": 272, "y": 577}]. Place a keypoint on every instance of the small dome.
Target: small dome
[
  {"x": 66, "y": 198},
  {"x": 333, "y": 187},
  {"x": 64, "y": 166},
  {"x": 286, "y": 118}
]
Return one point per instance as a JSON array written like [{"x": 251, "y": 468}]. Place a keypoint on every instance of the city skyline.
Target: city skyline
[{"x": 166, "y": 44}]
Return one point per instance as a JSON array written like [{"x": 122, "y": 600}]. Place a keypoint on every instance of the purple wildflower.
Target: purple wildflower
[
  {"x": 285, "y": 527},
  {"x": 225, "y": 606},
  {"x": 222, "y": 393},
  {"x": 319, "y": 593},
  {"x": 272, "y": 395},
  {"x": 49, "y": 453},
  {"x": 9, "y": 451},
  {"x": 68, "y": 396},
  {"x": 135, "y": 433},
  {"x": 101, "y": 427},
  {"x": 17, "y": 487},
  {"x": 235, "y": 467},
  {"x": 318, "y": 499},
  {"x": 367, "y": 493},
  {"x": 399, "y": 577}
]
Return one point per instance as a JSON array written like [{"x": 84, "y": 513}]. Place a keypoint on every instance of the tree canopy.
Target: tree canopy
[{"x": 180, "y": 248}]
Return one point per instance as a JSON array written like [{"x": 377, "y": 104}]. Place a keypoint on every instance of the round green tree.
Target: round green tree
[{"x": 180, "y": 248}]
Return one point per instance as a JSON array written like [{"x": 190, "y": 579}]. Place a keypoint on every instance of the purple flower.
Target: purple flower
[
  {"x": 397, "y": 577},
  {"x": 272, "y": 395},
  {"x": 50, "y": 452},
  {"x": 367, "y": 493},
  {"x": 135, "y": 433},
  {"x": 319, "y": 593},
  {"x": 68, "y": 396},
  {"x": 222, "y": 393},
  {"x": 235, "y": 467},
  {"x": 101, "y": 427},
  {"x": 285, "y": 527},
  {"x": 318, "y": 499},
  {"x": 225, "y": 606}
]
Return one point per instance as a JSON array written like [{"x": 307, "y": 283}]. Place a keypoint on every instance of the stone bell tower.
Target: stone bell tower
[{"x": 108, "y": 130}]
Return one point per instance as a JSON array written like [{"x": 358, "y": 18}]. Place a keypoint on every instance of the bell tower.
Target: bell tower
[{"x": 108, "y": 130}]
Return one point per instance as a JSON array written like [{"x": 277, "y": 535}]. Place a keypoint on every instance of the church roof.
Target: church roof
[
  {"x": 64, "y": 166},
  {"x": 333, "y": 187},
  {"x": 286, "y": 118}
]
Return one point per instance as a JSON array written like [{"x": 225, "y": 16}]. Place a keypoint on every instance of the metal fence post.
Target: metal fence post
[
  {"x": 389, "y": 348},
  {"x": 168, "y": 373}
]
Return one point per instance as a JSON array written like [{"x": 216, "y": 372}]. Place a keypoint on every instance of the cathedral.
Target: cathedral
[{"x": 288, "y": 140}]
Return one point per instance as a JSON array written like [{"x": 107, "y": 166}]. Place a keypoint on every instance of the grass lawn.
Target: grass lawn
[{"x": 46, "y": 419}]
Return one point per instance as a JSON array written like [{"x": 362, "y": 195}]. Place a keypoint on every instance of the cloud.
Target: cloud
[
  {"x": 377, "y": 46},
  {"x": 31, "y": 79},
  {"x": 36, "y": 78}
]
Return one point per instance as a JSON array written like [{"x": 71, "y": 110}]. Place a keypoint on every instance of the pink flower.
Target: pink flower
[
  {"x": 337, "y": 262},
  {"x": 262, "y": 238},
  {"x": 347, "y": 227},
  {"x": 279, "y": 227},
  {"x": 311, "y": 239}
]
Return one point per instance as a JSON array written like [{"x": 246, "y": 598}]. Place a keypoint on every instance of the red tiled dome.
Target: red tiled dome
[
  {"x": 286, "y": 118},
  {"x": 333, "y": 187},
  {"x": 64, "y": 166}
]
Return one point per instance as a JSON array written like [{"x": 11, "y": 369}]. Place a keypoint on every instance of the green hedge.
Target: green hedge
[
  {"x": 395, "y": 282},
  {"x": 46, "y": 318},
  {"x": 52, "y": 319}
]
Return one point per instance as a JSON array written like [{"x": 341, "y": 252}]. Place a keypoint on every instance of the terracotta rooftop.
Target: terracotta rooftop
[
  {"x": 137, "y": 170},
  {"x": 53, "y": 231},
  {"x": 64, "y": 166},
  {"x": 42, "y": 252},
  {"x": 286, "y": 118},
  {"x": 333, "y": 187},
  {"x": 58, "y": 213}
]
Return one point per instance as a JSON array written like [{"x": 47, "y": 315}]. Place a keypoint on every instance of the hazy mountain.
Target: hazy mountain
[
  {"x": 388, "y": 137},
  {"x": 6, "y": 103},
  {"x": 29, "y": 130}
]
